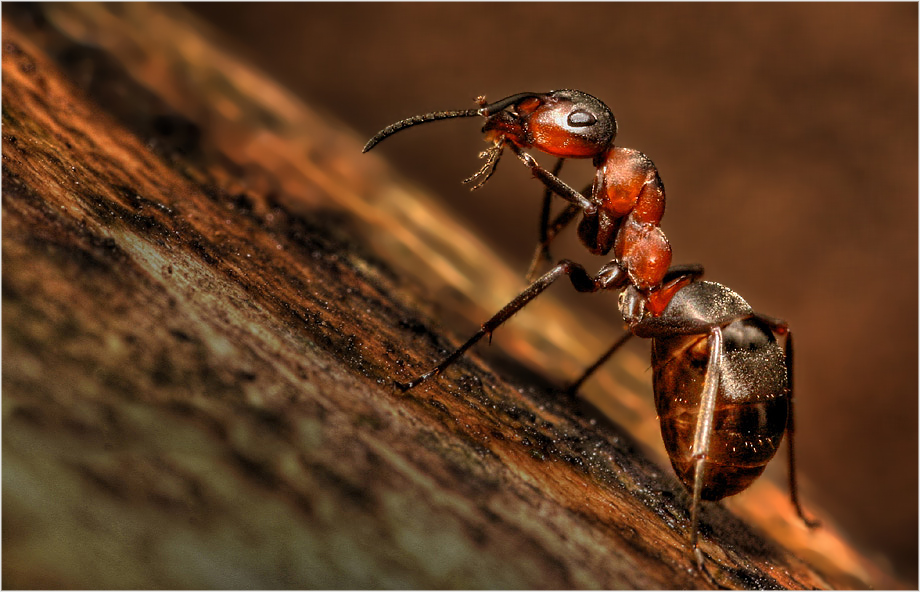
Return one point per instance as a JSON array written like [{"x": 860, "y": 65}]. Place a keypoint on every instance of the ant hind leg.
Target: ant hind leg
[
  {"x": 780, "y": 327},
  {"x": 701, "y": 441}
]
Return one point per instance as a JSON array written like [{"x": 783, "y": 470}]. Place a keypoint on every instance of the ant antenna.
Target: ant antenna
[
  {"x": 486, "y": 110},
  {"x": 399, "y": 125}
]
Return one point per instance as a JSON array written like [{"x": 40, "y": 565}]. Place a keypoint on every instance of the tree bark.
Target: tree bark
[{"x": 207, "y": 296}]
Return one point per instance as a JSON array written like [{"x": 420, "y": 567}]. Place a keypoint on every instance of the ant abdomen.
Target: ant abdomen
[{"x": 749, "y": 417}]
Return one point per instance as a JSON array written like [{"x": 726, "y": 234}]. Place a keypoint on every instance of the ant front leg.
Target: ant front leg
[
  {"x": 581, "y": 280},
  {"x": 557, "y": 185},
  {"x": 780, "y": 327}
]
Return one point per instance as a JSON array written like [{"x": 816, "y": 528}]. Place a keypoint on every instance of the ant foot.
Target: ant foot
[
  {"x": 405, "y": 386},
  {"x": 572, "y": 389},
  {"x": 810, "y": 522},
  {"x": 701, "y": 567}
]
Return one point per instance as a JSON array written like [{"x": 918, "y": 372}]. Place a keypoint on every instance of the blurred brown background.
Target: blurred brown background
[{"x": 785, "y": 134}]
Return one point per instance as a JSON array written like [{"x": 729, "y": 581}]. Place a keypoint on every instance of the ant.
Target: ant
[{"x": 722, "y": 382}]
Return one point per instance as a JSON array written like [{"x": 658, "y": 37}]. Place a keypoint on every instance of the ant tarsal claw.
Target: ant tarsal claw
[{"x": 700, "y": 559}]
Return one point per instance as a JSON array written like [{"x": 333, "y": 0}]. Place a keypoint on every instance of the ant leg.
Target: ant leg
[
  {"x": 548, "y": 233},
  {"x": 573, "y": 388},
  {"x": 557, "y": 185},
  {"x": 701, "y": 440},
  {"x": 542, "y": 235},
  {"x": 547, "y": 202},
  {"x": 782, "y": 328},
  {"x": 581, "y": 280},
  {"x": 542, "y": 251}
]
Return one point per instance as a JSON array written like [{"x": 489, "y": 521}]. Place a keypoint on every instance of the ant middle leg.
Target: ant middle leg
[
  {"x": 572, "y": 389},
  {"x": 543, "y": 232},
  {"x": 549, "y": 230},
  {"x": 547, "y": 202},
  {"x": 581, "y": 280},
  {"x": 549, "y": 233}
]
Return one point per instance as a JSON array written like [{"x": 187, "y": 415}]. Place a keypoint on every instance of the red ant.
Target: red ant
[{"x": 722, "y": 383}]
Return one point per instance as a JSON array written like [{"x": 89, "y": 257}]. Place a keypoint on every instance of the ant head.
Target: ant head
[{"x": 561, "y": 123}]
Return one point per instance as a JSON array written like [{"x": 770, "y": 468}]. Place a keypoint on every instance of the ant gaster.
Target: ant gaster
[{"x": 722, "y": 383}]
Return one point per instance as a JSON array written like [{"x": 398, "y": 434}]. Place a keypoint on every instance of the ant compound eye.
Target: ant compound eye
[
  {"x": 581, "y": 118},
  {"x": 571, "y": 124}
]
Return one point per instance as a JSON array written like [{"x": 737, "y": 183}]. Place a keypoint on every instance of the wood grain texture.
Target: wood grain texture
[{"x": 207, "y": 293}]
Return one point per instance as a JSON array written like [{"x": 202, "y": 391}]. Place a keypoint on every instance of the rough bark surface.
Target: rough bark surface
[{"x": 205, "y": 304}]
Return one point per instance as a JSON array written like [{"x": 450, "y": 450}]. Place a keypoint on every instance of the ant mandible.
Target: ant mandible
[{"x": 722, "y": 384}]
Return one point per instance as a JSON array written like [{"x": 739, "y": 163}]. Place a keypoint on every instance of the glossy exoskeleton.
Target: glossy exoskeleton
[{"x": 722, "y": 382}]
